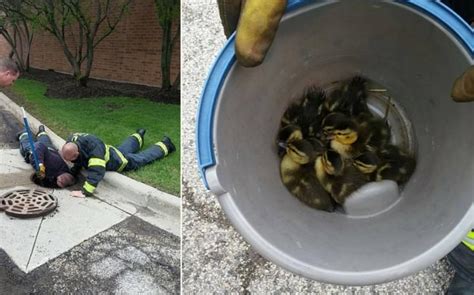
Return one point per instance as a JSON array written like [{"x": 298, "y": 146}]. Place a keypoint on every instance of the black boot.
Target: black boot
[
  {"x": 40, "y": 129},
  {"x": 167, "y": 141},
  {"x": 28, "y": 157},
  {"x": 19, "y": 133},
  {"x": 141, "y": 131}
]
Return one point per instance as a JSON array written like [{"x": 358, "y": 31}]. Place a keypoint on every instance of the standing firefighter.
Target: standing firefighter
[{"x": 89, "y": 152}]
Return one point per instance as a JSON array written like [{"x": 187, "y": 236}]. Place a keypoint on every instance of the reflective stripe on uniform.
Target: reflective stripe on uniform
[
  {"x": 96, "y": 162},
  {"x": 139, "y": 138},
  {"x": 23, "y": 135},
  {"x": 107, "y": 153},
  {"x": 122, "y": 158},
  {"x": 76, "y": 135},
  {"x": 41, "y": 133},
  {"x": 469, "y": 240},
  {"x": 88, "y": 187},
  {"x": 163, "y": 147}
]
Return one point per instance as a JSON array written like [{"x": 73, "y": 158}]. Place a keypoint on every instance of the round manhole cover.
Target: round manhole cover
[{"x": 28, "y": 203}]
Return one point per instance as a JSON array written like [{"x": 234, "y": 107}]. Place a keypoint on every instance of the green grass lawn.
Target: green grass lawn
[{"x": 112, "y": 119}]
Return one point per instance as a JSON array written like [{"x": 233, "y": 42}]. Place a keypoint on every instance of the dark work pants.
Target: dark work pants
[
  {"x": 129, "y": 149},
  {"x": 462, "y": 259},
  {"x": 25, "y": 148}
]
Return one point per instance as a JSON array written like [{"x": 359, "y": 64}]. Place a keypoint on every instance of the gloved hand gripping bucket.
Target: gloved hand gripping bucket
[{"x": 415, "y": 49}]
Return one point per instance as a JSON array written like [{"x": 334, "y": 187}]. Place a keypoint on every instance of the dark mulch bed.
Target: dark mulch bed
[{"x": 64, "y": 86}]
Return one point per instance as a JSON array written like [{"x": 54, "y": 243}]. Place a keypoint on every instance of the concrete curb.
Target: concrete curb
[{"x": 167, "y": 206}]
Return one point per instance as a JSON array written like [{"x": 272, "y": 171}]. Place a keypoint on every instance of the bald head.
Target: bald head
[
  {"x": 65, "y": 179},
  {"x": 70, "y": 151}
]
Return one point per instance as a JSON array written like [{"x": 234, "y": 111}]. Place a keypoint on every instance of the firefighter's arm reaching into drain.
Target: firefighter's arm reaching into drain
[
  {"x": 41, "y": 149},
  {"x": 92, "y": 155}
]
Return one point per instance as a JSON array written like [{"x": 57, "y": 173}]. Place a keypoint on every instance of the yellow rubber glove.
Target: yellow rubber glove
[
  {"x": 41, "y": 173},
  {"x": 463, "y": 88},
  {"x": 258, "y": 22}
]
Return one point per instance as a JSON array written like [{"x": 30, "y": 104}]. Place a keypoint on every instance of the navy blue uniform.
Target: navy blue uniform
[
  {"x": 97, "y": 157},
  {"x": 47, "y": 155}
]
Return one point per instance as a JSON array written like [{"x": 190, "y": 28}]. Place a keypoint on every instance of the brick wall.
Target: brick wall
[
  {"x": 4, "y": 47},
  {"x": 130, "y": 54}
]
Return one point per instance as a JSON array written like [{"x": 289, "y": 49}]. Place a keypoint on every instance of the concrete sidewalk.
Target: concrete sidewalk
[{"x": 216, "y": 259}]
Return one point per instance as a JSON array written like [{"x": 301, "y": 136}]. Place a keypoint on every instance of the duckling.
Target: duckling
[
  {"x": 339, "y": 122},
  {"x": 350, "y": 98},
  {"x": 351, "y": 138},
  {"x": 367, "y": 163},
  {"x": 287, "y": 134},
  {"x": 375, "y": 133},
  {"x": 312, "y": 111},
  {"x": 318, "y": 146},
  {"x": 336, "y": 177},
  {"x": 298, "y": 176},
  {"x": 343, "y": 135},
  {"x": 292, "y": 115},
  {"x": 395, "y": 165}
]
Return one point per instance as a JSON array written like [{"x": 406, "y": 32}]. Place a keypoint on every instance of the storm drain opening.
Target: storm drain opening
[{"x": 28, "y": 203}]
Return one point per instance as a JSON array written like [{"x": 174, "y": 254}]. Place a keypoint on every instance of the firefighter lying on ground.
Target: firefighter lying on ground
[
  {"x": 89, "y": 152},
  {"x": 53, "y": 172}
]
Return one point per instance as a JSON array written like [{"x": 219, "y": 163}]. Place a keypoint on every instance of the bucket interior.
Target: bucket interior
[{"x": 417, "y": 60}]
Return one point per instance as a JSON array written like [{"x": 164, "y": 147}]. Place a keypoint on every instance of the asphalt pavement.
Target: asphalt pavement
[
  {"x": 131, "y": 257},
  {"x": 216, "y": 259}
]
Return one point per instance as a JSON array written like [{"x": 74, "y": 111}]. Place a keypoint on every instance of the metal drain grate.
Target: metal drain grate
[{"x": 28, "y": 203}]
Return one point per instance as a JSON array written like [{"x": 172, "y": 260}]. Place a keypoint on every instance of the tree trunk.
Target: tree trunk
[
  {"x": 76, "y": 66},
  {"x": 166, "y": 56},
  {"x": 12, "y": 42},
  {"x": 89, "y": 61},
  {"x": 29, "y": 37},
  {"x": 82, "y": 81},
  {"x": 177, "y": 83}
]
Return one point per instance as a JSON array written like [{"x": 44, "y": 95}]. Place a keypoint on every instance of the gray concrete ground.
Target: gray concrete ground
[
  {"x": 215, "y": 257},
  {"x": 132, "y": 257},
  {"x": 88, "y": 246}
]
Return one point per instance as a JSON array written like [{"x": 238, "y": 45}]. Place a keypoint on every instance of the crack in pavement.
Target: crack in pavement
[
  {"x": 34, "y": 244},
  {"x": 190, "y": 203},
  {"x": 247, "y": 269}
]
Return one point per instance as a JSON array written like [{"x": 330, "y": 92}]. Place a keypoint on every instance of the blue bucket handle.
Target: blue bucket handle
[{"x": 226, "y": 58}]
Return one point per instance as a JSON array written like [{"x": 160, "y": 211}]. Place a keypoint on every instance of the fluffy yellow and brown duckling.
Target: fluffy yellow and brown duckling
[
  {"x": 374, "y": 132},
  {"x": 395, "y": 165},
  {"x": 367, "y": 163},
  {"x": 287, "y": 134},
  {"x": 350, "y": 98},
  {"x": 336, "y": 177},
  {"x": 343, "y": 135},
  {"x": 292, "y": 115},
  {"x": 306, "y": 112},
  {"x": 351, "y": 139},
  {"x": 297, "y": 174},
  {"x": 312, "y": 111}
]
